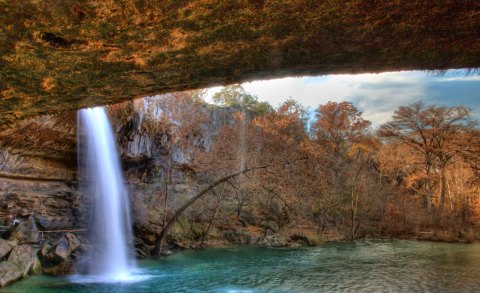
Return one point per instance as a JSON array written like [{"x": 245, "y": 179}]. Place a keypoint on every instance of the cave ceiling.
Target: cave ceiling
[{"x": 62, "y": 55}]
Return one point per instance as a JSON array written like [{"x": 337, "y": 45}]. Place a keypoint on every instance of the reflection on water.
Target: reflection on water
[{"x": 367, "y": 266}]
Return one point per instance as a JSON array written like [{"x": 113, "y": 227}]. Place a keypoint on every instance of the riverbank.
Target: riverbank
[
  {"x": 32, "y": 254},
  {"x": 311, "y": 238}
]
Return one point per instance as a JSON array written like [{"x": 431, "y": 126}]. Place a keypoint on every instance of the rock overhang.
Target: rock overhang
[{"x": 59, "y": 56}]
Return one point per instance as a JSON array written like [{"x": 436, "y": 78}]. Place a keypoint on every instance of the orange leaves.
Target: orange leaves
[{"x": 338, "y": 123}]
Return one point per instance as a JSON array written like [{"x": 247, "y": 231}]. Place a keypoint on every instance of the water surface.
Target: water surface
[{"x": 365, "y": 266}]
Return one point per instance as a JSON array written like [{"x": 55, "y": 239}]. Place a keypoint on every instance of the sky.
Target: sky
[{"x": 376, "y": 95}]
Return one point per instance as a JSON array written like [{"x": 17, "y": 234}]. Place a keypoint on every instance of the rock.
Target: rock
[
  {"x": 26, "y": 232},
  {"x": 23, "y": 256},
  {"x": 61, "y": 269},
  {"x": 82, "y": 265},
  {"x": 166, "y": 252},
  {"x": 268, "y": 54},
  {"x": 9, "y": 273},
  {"x": 141, "y": 249},
  {"x": 73, "y": 241},
  {"x": 60, "y": 252},
  {"x": 269, "y": 232},
  {"x": 272, "y": 226},
  {"x": 86, "y": 248},
  {"x": 37, "y": 267},
  {"x": 275, "y": 241},
  {"x": 57, "y": 259},
  {"x": 5, "y": 247},
  {"x": 238, "y": 237},
  {"x": 303, "y": 240},
  {"x": 254, "y": 239},
  {"x": 45, "y": 249}
]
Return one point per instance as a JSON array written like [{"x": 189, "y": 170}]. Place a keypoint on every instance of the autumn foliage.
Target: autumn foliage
[{"x": 334, "y": 176}]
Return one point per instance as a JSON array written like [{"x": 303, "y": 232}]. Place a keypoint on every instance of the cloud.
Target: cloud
[{"x": 377, "y": 95}]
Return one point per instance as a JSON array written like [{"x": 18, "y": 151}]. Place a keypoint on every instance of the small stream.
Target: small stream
[{"x": 366, "y": 266}]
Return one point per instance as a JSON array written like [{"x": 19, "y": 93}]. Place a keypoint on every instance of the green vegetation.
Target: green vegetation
[{"x": 235, "y": 96}]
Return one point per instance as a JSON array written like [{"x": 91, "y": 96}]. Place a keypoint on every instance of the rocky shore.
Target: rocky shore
[{"x": 24, "y": 250}]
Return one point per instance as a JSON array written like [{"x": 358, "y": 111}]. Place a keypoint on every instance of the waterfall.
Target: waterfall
[{"x": 112, "y": 258}]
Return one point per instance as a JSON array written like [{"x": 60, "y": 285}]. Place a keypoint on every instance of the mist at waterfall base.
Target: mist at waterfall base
[{"x": 112, "y": 256}]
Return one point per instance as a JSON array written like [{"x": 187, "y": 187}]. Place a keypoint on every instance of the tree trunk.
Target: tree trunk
[
  {"x": 428, "y": 187},
  {"x": 163, "y": 235},
  {"x": 210, "y": 224},
  {"x": 165, "y": 186},
  {"x": 354, "y": 205},
  {"x": 443, "y": 191}
]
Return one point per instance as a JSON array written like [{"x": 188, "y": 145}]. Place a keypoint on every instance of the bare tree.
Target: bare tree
[
  {"x": 436, "y": 133},
  {"x": 163, "y": 235}
]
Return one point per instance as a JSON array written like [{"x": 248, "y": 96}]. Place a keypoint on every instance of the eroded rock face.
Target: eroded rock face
[{"x": 37, "y": 166}]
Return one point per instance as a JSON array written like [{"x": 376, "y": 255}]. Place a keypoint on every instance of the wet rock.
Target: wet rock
[
  {"x": 82, "y": 265},
  {"x": 166, "y": 252},
  {"x": 23, "y": 256},
  {"x": 86, "y": 248},
  {"x": 45, "y": 249},
  {"x": 37, "y": 267},
  {"x": 5, "y": 247},
  {"x": 60, "y": 252},
  {"x": 141, "y": 248},
  {"x": 57, "y": 259},
  {"x": 61, "y": 269},
  {"x": 53, "y": 256},
  {"x": 26, "y": 232},
  {"x": 73, "y": 241},
  {"x": 9, "y": 273}
]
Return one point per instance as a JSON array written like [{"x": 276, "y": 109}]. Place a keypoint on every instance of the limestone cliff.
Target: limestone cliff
[{"x": 38, "y": 169}]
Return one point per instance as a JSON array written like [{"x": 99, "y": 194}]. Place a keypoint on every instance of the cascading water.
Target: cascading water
[{"x": 110, "y": 225}]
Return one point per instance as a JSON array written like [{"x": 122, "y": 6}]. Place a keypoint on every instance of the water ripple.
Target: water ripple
[{"x": 363, "y": 266}]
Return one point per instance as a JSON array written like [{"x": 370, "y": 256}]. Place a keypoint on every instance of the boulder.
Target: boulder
[
  {"x": 45, "y": 249},
  {"x": 73, "y": 241},
  {"x": 9, "y": 273},
  {"x": 26, "y": 232},
  {"x": 23, "y": 256},
  {"x": 5, "y": 247},
  {"x": 37, "y": 267},
  {"x": 60, "y": 252}
]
